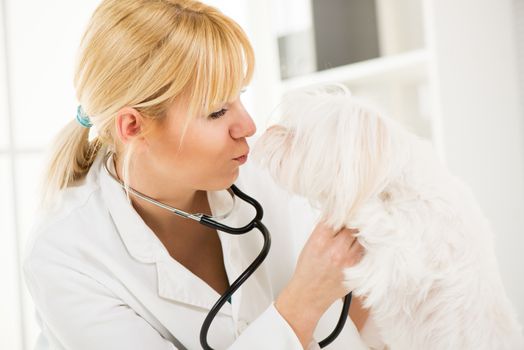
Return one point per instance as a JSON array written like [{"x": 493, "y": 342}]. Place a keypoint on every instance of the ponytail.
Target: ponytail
[{"x": 69, "y": 160}]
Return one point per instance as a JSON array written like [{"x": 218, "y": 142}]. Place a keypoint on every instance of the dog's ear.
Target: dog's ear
[{"x": 366, "y": 153}]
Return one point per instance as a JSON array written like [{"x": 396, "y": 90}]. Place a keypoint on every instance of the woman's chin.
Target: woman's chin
[{"x": 225, "y": 183}]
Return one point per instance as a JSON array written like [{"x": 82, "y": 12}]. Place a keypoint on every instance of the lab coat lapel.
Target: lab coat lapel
[{"x": 175, "y": 281}]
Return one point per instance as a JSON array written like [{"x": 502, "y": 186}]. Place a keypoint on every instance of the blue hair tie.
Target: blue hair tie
[{"x": 83, "y": 118}]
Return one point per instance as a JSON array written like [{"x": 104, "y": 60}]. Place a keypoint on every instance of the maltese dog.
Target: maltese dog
[{"x": 429, "y": 275}]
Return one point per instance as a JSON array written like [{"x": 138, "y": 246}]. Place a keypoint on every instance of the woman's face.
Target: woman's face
[{"x": 205, "y": 160}]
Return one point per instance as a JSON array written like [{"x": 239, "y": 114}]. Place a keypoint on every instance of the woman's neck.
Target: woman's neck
[{"x": 162, "y": 221}]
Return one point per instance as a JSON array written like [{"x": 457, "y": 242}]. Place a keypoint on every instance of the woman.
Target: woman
[{"x": 160, "y": 83}]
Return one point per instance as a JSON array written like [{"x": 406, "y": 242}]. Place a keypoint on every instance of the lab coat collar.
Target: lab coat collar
[{"x": 175, "y": 281}]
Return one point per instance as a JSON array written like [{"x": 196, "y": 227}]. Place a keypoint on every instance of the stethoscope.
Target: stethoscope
[{"x": 210, "y": 221}]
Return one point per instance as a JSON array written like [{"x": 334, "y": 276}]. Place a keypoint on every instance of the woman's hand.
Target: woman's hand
[
  {"x": 357, "y": 313},
  {"x": 318, "y": 278}
]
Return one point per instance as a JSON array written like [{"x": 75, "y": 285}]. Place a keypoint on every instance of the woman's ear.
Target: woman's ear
[{"x": 129, "y": 125}]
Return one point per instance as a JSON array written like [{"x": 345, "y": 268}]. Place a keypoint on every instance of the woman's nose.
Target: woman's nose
[{"x": 244, "y": 127}]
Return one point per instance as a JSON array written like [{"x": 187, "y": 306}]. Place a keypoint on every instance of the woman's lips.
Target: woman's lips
[{"x": 241, "y": 159}]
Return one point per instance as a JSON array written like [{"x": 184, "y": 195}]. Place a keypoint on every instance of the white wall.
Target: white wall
[
  {"x": 482, "y": 121},
  {"x": 41, "y": 38},
  {"x": 518, "y": 17},
  {"x": 10, "y": 301}
]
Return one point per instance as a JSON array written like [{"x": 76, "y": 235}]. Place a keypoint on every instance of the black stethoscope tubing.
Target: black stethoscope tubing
[{"x": 255, "y": 223}]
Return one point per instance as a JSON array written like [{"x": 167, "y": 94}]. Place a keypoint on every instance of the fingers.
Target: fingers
[
  {"x": 343, "y": 230},
  {"x": 323, "y": 229},
  {"x": 348, "y": 234},
  {"x": 355, "y": 250},
  {"x": 350, "y": 230},
  {"x": 345, "y": 236},
  {"x": 355, "y": 253}
]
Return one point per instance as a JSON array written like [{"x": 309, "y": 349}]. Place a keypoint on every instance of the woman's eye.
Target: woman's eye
[{"x": 216, "y": 115}]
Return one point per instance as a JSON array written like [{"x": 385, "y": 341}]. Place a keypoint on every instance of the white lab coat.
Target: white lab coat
[{"x": 100, "y": 278}]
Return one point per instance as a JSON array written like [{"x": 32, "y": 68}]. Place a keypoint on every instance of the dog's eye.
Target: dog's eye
[{"x": 385, "y": 196}]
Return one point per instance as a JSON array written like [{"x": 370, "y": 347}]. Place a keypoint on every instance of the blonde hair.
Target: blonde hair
[{"x": 144, "y": 54}]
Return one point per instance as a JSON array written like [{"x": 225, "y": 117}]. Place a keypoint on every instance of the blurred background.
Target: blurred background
[{"x": 451, "y": 71}]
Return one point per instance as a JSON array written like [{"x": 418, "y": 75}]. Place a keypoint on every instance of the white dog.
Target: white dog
[{"x": 429, "y": 274}]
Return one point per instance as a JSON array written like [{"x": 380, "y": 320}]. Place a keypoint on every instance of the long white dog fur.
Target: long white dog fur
[{"x": 429, "y": 274}]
